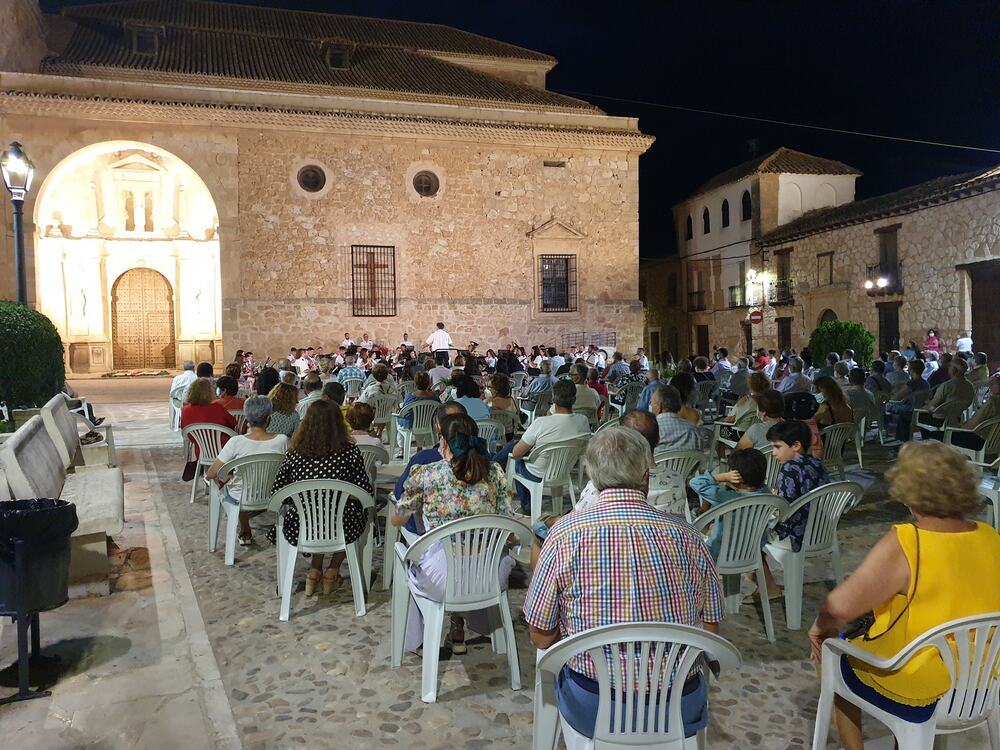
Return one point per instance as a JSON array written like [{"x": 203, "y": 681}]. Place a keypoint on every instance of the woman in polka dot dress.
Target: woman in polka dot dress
[{"x": 321, "y": 448}]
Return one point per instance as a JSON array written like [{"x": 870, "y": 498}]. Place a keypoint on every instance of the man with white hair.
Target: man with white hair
[
  {"x": 795, "y": 381},
  {"x": 350, "y": 370},
  {"x": 186, "y": 378},
  {"x": 620, "y": 561}
]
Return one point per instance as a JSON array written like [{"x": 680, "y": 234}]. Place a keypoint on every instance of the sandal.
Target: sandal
[
  {"x": 245, "y": 541},
  {"x": 331, "y": 581}
]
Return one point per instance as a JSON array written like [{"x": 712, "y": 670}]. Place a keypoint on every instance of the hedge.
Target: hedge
[
  {"x": 838, "y": 335},
  {"x": 31, "y": 357}
]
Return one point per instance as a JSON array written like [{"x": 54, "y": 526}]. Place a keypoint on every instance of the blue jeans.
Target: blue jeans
[{"x": 577, "y": 696}]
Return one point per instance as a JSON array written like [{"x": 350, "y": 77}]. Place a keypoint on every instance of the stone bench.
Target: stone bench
[
  {"x": 33, "y": 467},
  {"x": 64, "y": 427}
]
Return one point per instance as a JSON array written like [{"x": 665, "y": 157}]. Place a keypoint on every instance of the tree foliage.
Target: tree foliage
[
  {"x": 31, "y": 357},
  {"x": 838, "y": 335}
]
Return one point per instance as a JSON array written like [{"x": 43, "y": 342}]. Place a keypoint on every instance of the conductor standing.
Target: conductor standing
[{"x": 439, "y": 343}]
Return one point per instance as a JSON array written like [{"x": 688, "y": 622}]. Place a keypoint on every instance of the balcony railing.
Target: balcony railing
[
  {"x": 881, "y": 280},
  {"x": 696, "y": 301},
  {"x": 781, "y": 293},
  {"x": 737, "y": 296}
]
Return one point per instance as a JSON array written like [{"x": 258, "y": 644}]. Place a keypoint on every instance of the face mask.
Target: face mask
[
  {"x": 820, "y": 398},
  {"x": 218, "y": 392}
]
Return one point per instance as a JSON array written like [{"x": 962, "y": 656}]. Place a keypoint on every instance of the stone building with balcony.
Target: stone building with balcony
[
  {"x": 719, "y": 228},
  {"x": 927, "y": 256}
]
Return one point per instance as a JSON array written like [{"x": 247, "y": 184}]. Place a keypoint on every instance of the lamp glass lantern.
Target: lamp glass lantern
[{"x": 17, "y": 171}]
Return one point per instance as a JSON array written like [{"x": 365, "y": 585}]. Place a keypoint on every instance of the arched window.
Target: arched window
[
  {"x": 706, "y": 221},
  {"x": 725, "y": 213},
  {"x": 689, "y": 230},
  {"x": 747, "y": 208}
]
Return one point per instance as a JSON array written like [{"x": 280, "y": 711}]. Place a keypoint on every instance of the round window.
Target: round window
[
  {"x": 311, "y": 178},
  {"x": 426, "y": 184}
]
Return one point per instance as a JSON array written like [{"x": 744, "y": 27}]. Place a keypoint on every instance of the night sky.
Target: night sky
[{"x": 912, "y": 69}]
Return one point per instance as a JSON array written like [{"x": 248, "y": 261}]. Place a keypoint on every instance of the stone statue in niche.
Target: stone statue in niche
[{"x": 78, "y": 304}]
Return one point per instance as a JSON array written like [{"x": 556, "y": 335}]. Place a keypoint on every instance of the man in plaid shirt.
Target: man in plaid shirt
[{"x": 620, "y": 561}]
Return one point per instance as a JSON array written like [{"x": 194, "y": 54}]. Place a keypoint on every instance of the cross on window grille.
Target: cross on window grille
[
  {"x": 373, "y": 277},
  {"x": 557, "y": 283}
]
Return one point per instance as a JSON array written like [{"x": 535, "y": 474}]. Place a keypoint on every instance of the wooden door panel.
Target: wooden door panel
[{"x": 142, "y": 313}]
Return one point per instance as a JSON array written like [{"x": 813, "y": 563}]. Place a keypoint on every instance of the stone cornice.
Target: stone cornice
[{"x": 348, "y": 122}]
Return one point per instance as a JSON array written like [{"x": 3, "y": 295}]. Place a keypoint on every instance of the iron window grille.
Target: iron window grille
[
  {"x": 557, "y": 283},
  {"x": 373, "y": 280}
]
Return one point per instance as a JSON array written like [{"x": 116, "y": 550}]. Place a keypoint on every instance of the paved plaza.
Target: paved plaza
[{"x": 188, "y": 653}]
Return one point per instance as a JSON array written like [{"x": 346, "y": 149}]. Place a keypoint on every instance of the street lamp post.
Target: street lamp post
[{"x": 17, "y": 172}]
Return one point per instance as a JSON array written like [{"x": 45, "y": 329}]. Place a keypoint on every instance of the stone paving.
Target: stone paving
[{"x": 322, "y": 680}]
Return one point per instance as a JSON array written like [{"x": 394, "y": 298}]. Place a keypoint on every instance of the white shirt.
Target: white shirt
[
  {"x": 438, "y": 374},
  {"x": 551, "y": 429},
  {"x": 408, "y": 343},
  {"x": 964, "y": 344},
  {"x": 438, "y": 340},
  {"x": 723, "y": 365},
  {"x": 185, "y": 378},
  {"x": 308, "y": 401},
  {"x": 240, "y": 446},
  {"x": 587, "y": 397},
  {"x": 301, "y": 365},
  {"x": 643, "y": 363},
  {"x": 338, "y": 360},
  {"x": 362, "y": 438},
  {"x": 851, "y": 364},
  {"x": 366, "y": 344},
  {"x": 347, "y": 343},
  {"x": 794, "y": 382},
  {"x": 557, "y": 362}
]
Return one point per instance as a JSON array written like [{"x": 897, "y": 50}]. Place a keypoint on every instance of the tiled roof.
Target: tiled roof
[
  {"x": 201, "y": 15},
  {"x": 247, "y": 58},
  {"x": 781, "y": 161},
  {"x": 939, "y": 190}
]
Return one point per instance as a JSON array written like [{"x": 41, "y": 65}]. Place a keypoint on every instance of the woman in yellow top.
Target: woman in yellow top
[{"x": 915, "y": 578}]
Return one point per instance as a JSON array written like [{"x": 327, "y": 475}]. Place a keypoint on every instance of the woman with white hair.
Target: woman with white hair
[{"x": 257, "y": 411}]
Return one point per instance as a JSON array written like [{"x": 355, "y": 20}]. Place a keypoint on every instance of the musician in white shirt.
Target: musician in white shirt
[
  {"x": 347, "y": 343},
  {"x": 366, "y": 343},
  {"x": 439, "y": 343}
]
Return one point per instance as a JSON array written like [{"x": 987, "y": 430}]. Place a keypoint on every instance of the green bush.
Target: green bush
[
  {"x": 838, "y": 335},
  {"x": 31, "y": 357}
]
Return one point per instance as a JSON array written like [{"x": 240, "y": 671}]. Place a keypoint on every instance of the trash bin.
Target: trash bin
[{"x": 44, "y": 526}]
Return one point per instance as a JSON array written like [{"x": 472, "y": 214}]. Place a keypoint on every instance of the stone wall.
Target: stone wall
[
  {"x": 669, "y": 318},
  {"x": 22, "y": 36}
]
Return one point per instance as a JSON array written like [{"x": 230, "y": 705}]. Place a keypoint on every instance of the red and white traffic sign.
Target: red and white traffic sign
[{"x": 756, "y": 317}]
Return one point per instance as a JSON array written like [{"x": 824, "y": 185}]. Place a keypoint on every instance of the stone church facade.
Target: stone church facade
[{"x": 192, "y": 196}]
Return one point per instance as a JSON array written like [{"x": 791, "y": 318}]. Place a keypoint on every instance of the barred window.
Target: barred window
[
  {"x": 557, "y": 283},
  {"x": 373, "y": 277}
]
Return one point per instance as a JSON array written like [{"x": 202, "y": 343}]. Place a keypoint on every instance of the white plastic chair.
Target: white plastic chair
[
  {"x": 543, "y": 402},
  {"x": 320, "y": 506},
  {"x": 607, "y": 423},
  {"x": 374, "y": 456},
  {"x": 492, "y": 431},
  {"x": 352, "y": 387},
  {"x": 506, "y": 419},
  {"x": 677, "y": 467},
  {"x": 473, "y": 548},
  {"x": 589, "y": 412},
  {"x": 176, "y": 404},
  {"x": 632, "y": 391},
  {"x": 256, "y": 476},
  {"x": 518, "y": 380},
  {"x": 561, "y": 458},
  {"x": 826, "y": 505},
  {"x": 209, "y": 439},
  {"x": 241, "y": 420},
  {"x": 389, "y": 542},
  {"x": 773, "y": 467},
  {"x": 835, "y": 438},
  {"x": 646, "y": 660},
  {"x": 989, "y": 431},
  {"x": 421, "y": 429},
  {"x": 383, "y": 404},
  {"x": 407, "y": 387},
  {"x": 982, "y": 395},
  {"x": 970, "y": 649},
  {"x": 706, "y": 392},
  {"x": 744, "y": 522}
]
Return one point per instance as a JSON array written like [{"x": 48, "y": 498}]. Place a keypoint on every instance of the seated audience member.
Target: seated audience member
[
  {"x": 701, "y": 371},
  {"x": 862, "y": 403},
  {"x": 266, "y": 380},
  {"x": 948, "y": 403},
  {"x": 502, "y": 402},
  {"x": 468, "y": 395},
  {"x": 745, "y": 412},
  {"x": 840, "y": 373},
  {"x": 930, "y": 365},
  {"x": 439, "y": 373},
  {"x": 616, "y": 370},
  {"x": 644, "y": 423},
  {"x": 466, "y": 483},
  {"x": 380, "y": 385},
  {"x": 989, "y": 410},
  {"x": 618, "y": 390},
  {"x": 848, "y": 359},
  {"x": 676, "y": 433},
  {"x": 557, "y": 427},
  {"x": 543, "y": 382},
  {"x": 227, "y": 388},
  {"x": 74, "y": 402},
  {"x": 257, "y": 411},
  {"x": 187, "y": 377},
  {"x": 770, "y": 411},
  {"x": 427, "y": 455},
  {"x": 722, "y": 365},
  {"x": 941, "y": 374},
  {"x": 746, "y": 475},
  {"x": 322, "y": 449},
  {"x": 205, "y": 370},
  {"x": 350, "y": 369},
  {"x": 685, "y": 385},
  {"x": 284, "y": 418},
  {"x": 877, "y": 384},
  {"x": 922, "y": 569},
  {"x": 594, "y": 382},
  {"x": 652, "y": 381},
  {"x": 620, "y": 561},
  {"x": 359, "y": 419},
  {"x": 421, "y": 392},
  {"x": 980, "y": 372},
  {"x": 234, "y": 371},
  {"x": 799, "y": 474},
  {"x": 906, "y": 397},
  {"x": 834, "y": 409},
  {"x": 795, "y": 381},
  {"x": 199, "y": 408},
  {"x": 585, "y": 396},
  {"x": 739, "y": 380},
  {"x": 899, "y": 375},
  {"x": 312, "y": 386},
  {"x": 827, "y": 371}
]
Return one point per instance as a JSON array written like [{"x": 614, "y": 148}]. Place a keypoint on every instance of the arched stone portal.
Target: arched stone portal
[
  {"x": 112, "y": 208},
  {"x": 827, "y": 316}
]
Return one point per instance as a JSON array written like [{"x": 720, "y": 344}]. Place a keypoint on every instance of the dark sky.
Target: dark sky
[{"x": 923, "y": 70}]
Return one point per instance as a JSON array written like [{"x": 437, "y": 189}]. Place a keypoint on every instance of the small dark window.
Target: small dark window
[
  {"x": 747, "y": 211},
  {"x": 373, "y": 280},
  {"x": 689, "y": 229},
  {"x": 725, "y": 213},
  {"x": 706, "y": 222},
  {"x": 557, "y": 283},
  {"x": 337, "y": 55},
  {"x": 554, "y": 163},
  {"x": 145, "y": 39},
  {"x": 311, "y": 178},
  {"x": 426, "y": 184}
]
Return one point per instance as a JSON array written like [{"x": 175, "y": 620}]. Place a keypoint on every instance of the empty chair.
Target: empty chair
[
  {"x": 474, "y": 549},
  {"x": 492, "y": 431},
  {"x": 375, "y": 456},
  {"x": 673, "y": 470},
  {"x": 542, "y": 403},
  {"x": 706, "y": 393},
  {"x": 560, "y": 460},
  {"x": 826, "y": 505},
  {"x": 631, "y": 392},
  {"x": 320, "y": 505},
  {"x": 254, "y": 476},
  {"x": 209, "y": 438},
  {"x": 641, "y": 661},
  {"x": 421, "y": 429},
  {"x": 835, "y": 438},
  {"x": 175, "y": 404},
  {"x": 352, "y": 386},
  {"x": 518, "y": 380},
  {"x": 744, "y": 522},
  {"x": 970, "y": 649}
]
